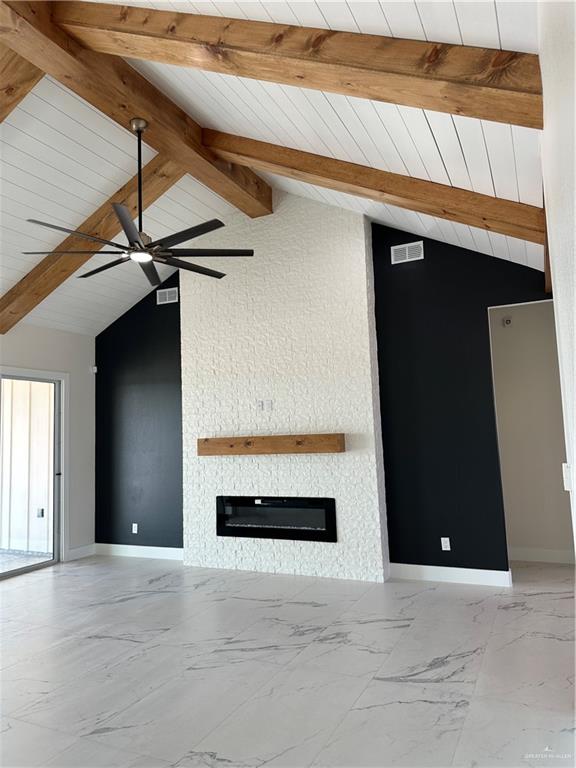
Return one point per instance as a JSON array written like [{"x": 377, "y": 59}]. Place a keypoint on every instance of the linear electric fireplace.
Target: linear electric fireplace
[{"x": 269, "y": 517}]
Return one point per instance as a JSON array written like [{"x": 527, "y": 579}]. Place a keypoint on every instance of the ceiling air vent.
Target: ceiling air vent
[
  {"x": 167, "y": 296},
  {"x": 407, "y": 252}
]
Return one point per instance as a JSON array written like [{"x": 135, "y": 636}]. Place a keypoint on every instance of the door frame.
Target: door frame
[{"x": 61, "y": 511}]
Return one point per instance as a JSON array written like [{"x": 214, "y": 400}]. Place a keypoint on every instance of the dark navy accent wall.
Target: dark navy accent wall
[
  {"x": 139, "y": 426},
  {"x": 438, "y": 422}
]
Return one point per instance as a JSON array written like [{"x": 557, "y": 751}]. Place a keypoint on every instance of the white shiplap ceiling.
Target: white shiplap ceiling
[{"x": 61, "y": 158}]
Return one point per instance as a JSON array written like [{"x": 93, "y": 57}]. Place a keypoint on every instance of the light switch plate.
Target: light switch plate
[{"x": 567, "y": 476}]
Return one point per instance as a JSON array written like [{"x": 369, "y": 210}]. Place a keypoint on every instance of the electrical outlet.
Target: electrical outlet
[
  {"x": 445, "y": 543},
  {"x": 134, "y": 527}
]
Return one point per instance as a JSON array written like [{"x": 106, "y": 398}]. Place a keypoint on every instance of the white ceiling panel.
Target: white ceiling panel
[
  {"x": 404, "y": 20},
  {"x": 61, "y": 158},
  {"x": 518, "y": 25},
  {"x": 463, "y": 152},
  {"x": 478, "y": 23},
  {"x": 370, "y": 18},
  {"x": 440, "y": 22}
]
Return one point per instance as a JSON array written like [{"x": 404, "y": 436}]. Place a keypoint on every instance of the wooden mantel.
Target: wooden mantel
[{"x": 258, "y": 445}]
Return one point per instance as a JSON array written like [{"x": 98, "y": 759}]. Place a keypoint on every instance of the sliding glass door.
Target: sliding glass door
[{"x": 30, "y": 451}]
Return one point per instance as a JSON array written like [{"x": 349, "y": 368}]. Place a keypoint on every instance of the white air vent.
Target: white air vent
[
  {"x": 407, "y": 252},
  {"x": 167, "y": 296}
]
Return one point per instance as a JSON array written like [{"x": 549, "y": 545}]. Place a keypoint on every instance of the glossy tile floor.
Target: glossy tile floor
[
  {"x": 10, "y": 560},
  {"x": 123, "y": 662}
]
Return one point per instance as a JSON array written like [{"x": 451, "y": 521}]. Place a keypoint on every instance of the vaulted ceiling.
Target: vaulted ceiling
[{"x": 62, "y": 157}]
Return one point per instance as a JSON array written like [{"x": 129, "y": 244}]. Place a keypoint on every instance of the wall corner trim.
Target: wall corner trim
[
  {"x": 129, "y": 550},
  {"x": 445, "y": 573},
  {"x": 77, "y": 552}
]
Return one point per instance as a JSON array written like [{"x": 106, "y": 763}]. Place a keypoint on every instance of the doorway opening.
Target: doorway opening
[
  {"x": 531, "y": 442},
  {"x": 30, "y": 473}
]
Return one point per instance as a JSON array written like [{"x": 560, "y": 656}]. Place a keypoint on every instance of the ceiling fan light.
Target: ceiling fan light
[{"x": 140, "y": 256}]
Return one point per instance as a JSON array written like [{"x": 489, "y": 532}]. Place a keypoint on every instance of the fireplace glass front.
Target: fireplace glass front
[{"x": 302, "y": 518}]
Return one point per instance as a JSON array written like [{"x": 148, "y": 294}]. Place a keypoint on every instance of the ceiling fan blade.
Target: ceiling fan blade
[
  {"x": 151, "y": 272},
  {"x": 82, "y": 235},
  {"x": 125, "y": 219},
  {"x": 191, "y": 267},
  {"x": 208, "y": 252},
  {"x": 106, "y": 266},
  {"x": 188, "y": 234},
  {"x": 49, "y": 253}
]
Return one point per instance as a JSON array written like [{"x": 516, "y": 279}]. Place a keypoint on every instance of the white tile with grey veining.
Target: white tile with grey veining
[
  {"x": 284, "y": 724},
  {"x": 397, "y": 600},
  {"x": 526, "y": 613},
  {"x": 394, "y": 724},
  {"x": 505, "y": 733},
  {"x": 172, "y": 719},
  {"x": 530, "y": 667},
  {"x": 25, "y": 640},
  {"x": 126, "y": 663},
  {"x": 83, "y": 703},
  {"x": 436, "y": 653},
  {"x": 542, "y": 578},
  {"x": 354, "y": 645},
  {"x": 461, "y": 605},
  {"x": 43, "y": 673},
  {"x": 23, "y": 745},
  {"x": 273, "y": 640},
  {"x": 84, "y": 753},
  {"x": 217, "y": 623}
]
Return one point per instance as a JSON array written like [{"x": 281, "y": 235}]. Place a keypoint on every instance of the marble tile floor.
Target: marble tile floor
[
  {"x": 119, "y": 662},
  {"x": 11, "y": 560}
]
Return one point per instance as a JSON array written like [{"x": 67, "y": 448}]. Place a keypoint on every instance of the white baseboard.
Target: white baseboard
[
  {"x": 77, "y": 552},
  {"x": 129, "y": 550},
  {"x": 454, "y": 575},
  {"x": 536, "y": 555}
]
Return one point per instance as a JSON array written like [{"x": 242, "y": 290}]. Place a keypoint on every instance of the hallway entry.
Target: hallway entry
[{"x": 530, "y": 432}]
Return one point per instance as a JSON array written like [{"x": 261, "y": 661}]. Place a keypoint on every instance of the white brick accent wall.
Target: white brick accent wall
[{"x": 294, "y": 325}]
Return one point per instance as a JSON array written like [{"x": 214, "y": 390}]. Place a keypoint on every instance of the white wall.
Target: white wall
[
  {"x": 28, "y": 346},
  {"x": 557, "y": 29},
  {"x": 293, "y": 325}
]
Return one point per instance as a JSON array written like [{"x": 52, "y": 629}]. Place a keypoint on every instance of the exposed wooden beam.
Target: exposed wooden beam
[
  {"x": 17, "y": 78},
  {"x": 159, "y": 175},
  {"x": 509, "y": 218},
  {"x": 478, "y": 82},
  {"x": 117, "y": 90}
]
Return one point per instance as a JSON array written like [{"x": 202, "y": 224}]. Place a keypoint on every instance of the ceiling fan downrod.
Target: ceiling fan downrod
[{"x": 138, "y": 125}]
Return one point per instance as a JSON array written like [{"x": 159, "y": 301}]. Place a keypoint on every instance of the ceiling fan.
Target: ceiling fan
[{"x": 141, "y": 248}]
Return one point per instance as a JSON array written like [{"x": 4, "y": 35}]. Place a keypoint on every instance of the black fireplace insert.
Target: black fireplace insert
[{"x": 269, "y": 517}]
